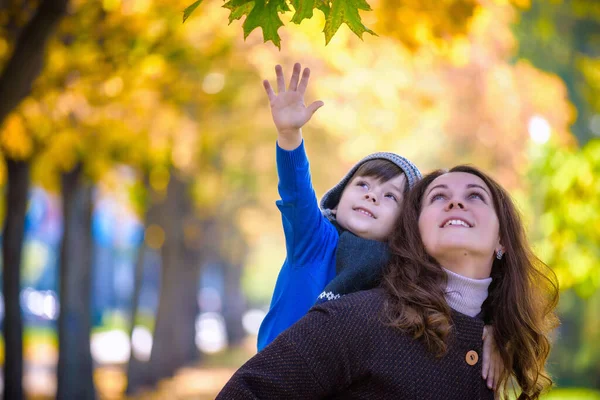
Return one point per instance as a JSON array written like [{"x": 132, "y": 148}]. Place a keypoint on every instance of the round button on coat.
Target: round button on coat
[{"x": 472, "y": 357}]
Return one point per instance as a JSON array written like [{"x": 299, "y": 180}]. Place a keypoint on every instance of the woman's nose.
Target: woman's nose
[{"x": 455, "y": 204}]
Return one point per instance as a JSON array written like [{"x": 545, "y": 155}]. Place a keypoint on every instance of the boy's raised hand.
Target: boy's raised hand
[{"x": 287, "y": 106}]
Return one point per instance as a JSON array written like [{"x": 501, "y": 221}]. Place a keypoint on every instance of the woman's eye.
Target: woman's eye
[
  {"x": 438, "y": 196},
  {"x": 476, "y": 195}
]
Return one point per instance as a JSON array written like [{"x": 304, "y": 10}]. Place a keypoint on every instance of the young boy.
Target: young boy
[
  {"x": 340, "y": 248},
  {"x": 364, "y": 205}
]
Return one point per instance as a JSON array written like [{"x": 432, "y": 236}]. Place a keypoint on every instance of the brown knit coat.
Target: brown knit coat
[{"x": 342, "y": 350}]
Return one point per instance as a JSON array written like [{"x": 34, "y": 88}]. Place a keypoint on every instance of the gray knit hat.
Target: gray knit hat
[{"x": 331, "y": 199}]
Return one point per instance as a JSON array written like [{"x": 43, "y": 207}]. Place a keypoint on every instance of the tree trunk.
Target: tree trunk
[
  {"x": 25, "y": 63},
  {"x": 234, "y": 303},
  {"x": 174, "y": 334},
  {"x": 75, "y": 370},
  {"x": 233, "y": 252},
  {"x": 16, "y": 205},
  {"x": 137, "y": 369}
]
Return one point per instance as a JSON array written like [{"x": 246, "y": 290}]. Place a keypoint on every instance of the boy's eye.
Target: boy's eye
[
  {"x": 391, "y": 196},
  {"x": 362, "y": 184}
]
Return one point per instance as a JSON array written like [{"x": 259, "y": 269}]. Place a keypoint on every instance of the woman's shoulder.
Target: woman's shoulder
[{"x": 358, "y": 305}]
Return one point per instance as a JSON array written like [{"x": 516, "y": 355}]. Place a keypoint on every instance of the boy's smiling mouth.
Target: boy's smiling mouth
[{"x": 364, "y": 211}]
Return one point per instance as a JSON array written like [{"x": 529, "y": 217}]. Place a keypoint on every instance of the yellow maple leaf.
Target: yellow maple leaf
[{"x": 14, "y": 138}]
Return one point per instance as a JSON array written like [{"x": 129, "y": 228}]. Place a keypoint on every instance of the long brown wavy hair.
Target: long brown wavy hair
[{"x": 521, "y": 298}]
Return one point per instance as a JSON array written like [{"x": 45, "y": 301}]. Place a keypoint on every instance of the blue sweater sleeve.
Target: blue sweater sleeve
[
  {"x": 306, "y": 230},
  {"x": 310, "y": 245}
]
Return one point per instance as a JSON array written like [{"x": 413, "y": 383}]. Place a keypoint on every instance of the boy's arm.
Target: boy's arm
[
  {"x": 307, "y": 233},
  {"x": 299, "y": 207}
]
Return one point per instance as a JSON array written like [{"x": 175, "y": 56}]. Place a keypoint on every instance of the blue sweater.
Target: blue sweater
[{"x": 310, "y": 241}]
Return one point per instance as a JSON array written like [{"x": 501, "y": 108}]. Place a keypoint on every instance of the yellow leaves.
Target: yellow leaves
[
  {"x": 136, "y": 7},
  {"x": 154, "y": 237},
  {"x": 185, "y": 146},
  {"x": 57, "y": 59},
  {"x": 153, "y": 66},
  {"x": 14, "y": 138},
  {"x": 159, "y": 178},
  {"x": 65, "y": 149},
  {"x": 213, "y": 82},
  {"x": 524, "y": 4},
  {"x": 2, "y": 183},
  {"x": 4, "y": 48},
  {"x": 113, "y": 86},
  {"x": 111, "y": 5},
  {"x": 208, "y": 190},
  {"x": 417, "y": 22},
  {"x": 460, "y": 51}
]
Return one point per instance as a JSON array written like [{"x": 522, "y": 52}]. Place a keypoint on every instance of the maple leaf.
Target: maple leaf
[
  {"x": 346, "y": 11},
  {"x": 304, "y": 10},
  {"x": 266, "y": 16},
  {"x": 190, "y": 9},
  {"x": 238, "y": 8}
]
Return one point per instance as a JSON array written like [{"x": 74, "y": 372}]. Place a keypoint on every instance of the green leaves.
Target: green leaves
[
  {"x": 238, "y": 8},
  {"x": 567, "y": 189},
  {"x": 190, "y": 9},
  {"x": 346, "y": 11},
  {"x": 264, "y": 14},
  {"x": 304, "y": 10}
]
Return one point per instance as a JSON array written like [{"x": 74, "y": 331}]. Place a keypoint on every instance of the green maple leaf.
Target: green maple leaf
[
  {"x": 304, "y": 10},
  {"x": 238, "y": 8},
  {"x": 346, "y": 11},
  {"x": 323, "y": 5},
  {"x": 266, "y": 16},
  {"x": 190, "y": 9}
]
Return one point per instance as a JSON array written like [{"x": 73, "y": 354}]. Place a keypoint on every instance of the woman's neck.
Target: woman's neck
[
  {"x": 470, "y": 265},
  {"x": 466, "y": 295}
]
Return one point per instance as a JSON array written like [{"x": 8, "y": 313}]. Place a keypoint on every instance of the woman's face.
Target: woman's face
[{"x": 458, "y": 219}]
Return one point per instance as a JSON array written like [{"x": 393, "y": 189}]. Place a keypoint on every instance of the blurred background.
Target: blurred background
[{"x": 140, "y": 239}]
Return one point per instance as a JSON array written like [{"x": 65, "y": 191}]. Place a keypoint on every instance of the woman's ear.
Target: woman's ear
[
  {"x": 499, "y": 246},
  {"x": 499, "y": 251}
]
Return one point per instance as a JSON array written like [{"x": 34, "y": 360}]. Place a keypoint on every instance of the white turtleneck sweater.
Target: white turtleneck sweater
[{"x": 466, "y": 295}]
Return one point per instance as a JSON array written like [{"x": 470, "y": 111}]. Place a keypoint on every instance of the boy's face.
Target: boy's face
[{"x": 369, "y": 208}]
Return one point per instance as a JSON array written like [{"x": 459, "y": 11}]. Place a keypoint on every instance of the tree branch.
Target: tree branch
[{"x": 26, "y": 61}]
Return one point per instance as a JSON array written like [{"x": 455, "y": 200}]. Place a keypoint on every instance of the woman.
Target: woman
[{"x": 459, "y": 253}]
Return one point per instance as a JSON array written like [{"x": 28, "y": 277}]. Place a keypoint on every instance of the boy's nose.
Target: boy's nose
[{"x": 371, "y": 196}]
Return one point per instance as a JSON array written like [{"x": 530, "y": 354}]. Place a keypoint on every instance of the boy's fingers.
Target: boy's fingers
[
  {"x": 280, "y": 81},
  {"x": 304, "y": 80},
  {"x": 485, "y": 363},
  {"x": 492, "y": 381},
  {"x": 485, "y": 368},
  {"x": 315, "y": 106},
  {"x": 499, "y": 367},
  {"x": 295, "y": 77},
  {"x": 269, "y": 90}
]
